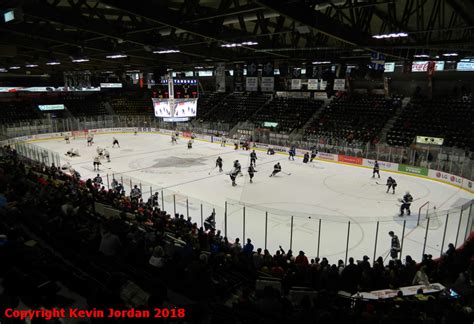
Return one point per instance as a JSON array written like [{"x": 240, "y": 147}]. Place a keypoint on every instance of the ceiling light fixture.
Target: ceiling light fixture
[
  {"x": 15, "y": 67},
  {"x": 321, "y": 62},
  {"x": 391, "y": 35},
  {"x": 421, "y": 55},
  {"x": 450, "y": 54},
  {"x": 53, "y": 63},
  {"x": 166, "y": 51},
  {"x": 3, "y": 70},
  {"x": 80, "y": 60},
  {"x": 31, "y": 65},
  {"x": 116, "y": 56}
]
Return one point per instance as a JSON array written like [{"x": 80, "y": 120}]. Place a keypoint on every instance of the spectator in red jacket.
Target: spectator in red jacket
[{"x": 301, "y": 260}]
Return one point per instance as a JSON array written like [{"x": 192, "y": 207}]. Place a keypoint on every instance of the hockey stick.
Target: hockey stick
[
  {"x": 386, "y": 256},
  {"x": 285, "y": 173}
]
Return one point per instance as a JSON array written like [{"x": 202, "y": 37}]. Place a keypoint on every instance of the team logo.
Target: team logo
[
  {"x": 438, "y": 174},
  {"x": 453, "y": 178},
  {"x": 469, "y": 184}
]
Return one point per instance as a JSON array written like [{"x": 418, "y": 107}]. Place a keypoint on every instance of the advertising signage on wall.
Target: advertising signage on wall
[
  {"x": 465, "y": 66},
  {"x": 389, "y": 67},
  {"x": 422, "y": 66}
]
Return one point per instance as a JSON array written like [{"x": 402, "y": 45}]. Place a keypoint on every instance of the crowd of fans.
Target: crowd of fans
[{"x": 146, "y": 257}]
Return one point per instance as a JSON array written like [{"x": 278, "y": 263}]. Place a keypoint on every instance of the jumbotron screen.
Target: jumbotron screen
[{"x": 180, "y": 108}]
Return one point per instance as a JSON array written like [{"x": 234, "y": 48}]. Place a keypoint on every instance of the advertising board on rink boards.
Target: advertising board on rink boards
[
  {"x": 349, "y": 159},
  {"x": 446, "y": 177},
  {"x": 382, "y": 164},
  {"x": 327, "y": 156}
]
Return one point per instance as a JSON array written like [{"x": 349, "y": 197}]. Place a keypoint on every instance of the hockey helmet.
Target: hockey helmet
[{"x": 407, "y": 193}]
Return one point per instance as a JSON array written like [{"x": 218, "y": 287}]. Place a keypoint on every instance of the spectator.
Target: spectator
[
  {"x": 421, "y": 278},
  {"x": 248, "y": 248},
  {"x": 110, "y": 243}
]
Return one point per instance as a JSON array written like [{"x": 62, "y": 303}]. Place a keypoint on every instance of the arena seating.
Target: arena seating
[
  {"x": 207, "y": 102},
  {"x": 354, "y": 117},
  {"x": 289, "y": 113},
  {"x": 238, "y": 107},
  {"x": 16, "y": 111},
  {"x": 84, "y": 105},
  {"x": 132, "y": 104},
  {"x": 54, "y": 235},
  {"x": 451, "y": 119}
]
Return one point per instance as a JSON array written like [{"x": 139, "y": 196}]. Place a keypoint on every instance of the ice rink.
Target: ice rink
[{"x": 323, "y": 197}]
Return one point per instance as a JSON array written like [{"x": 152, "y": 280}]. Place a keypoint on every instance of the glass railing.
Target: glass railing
[{"x": 334, "y": 237}]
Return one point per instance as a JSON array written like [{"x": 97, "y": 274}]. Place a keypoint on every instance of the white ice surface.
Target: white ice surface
[{"x": 332, "y": 192}]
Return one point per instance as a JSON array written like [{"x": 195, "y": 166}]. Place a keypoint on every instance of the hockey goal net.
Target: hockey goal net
[
  {"x": 80, "y": 134},
  {"x": 427, "y": 216}
]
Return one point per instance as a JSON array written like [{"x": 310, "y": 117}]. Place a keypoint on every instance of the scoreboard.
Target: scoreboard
[
  {"x": 175, "y": 99},
  {"x": 182, "y": 88}
]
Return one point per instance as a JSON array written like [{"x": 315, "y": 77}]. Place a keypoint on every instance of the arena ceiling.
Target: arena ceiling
[{"x": 285, "y": 30}]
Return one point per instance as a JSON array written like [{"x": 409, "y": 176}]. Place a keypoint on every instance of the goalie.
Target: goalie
[{"x": 406, "y": 202}]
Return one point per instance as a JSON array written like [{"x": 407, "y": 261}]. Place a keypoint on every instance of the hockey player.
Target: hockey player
[
  {"x": 135, "y": 193},
  {"x": 406, "y": 202},
  {"x": 107, "y": 155},
  {"x": 314, "y": 153},
  {"x": 173, "y": 139},
  {"x": 69, "y": 152},
  {"x": 391, "y": 183},
  {"x": 115, "y": 142},
  {"x": 90, "y": 140},
  {"x": 236, "y": 145},
  {"x": 394, "y": 245},
  {"x": 66, "y": 138},
  {"x": 233, "y": 175},
  {"x": 210, "y": 222},
  {"x": 135, "y": 133},
  {"x": 306, "y": 157},
  {"x": 193, "y": 136},
  {"x": 376, "y": 169},
  {"x": 96, "y": 163},
  {"x": 253, "y": 158},
  {"x": 292, "y": 153},
  {"x": 223, "y": 141},
  {"x": 238, "y": 167},
  {"x": 97, "y": 180},
  {"x": 154, "y": 200},
  {"x": 276, "y": 169},
  {"x": 190, "y": 144},
  {"x": 251, "y": 170},
  {"x": 100, "y": 151},
  {"x": 270, "y": 151},
  {"x": 219, "y": 163}
]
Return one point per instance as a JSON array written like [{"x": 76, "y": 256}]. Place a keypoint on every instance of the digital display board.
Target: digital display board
[
  {"x": 270, "y": 124},
  {"x": 161, "y": 107},
  {"x": 389, "y": 67},
  {"x": 51, "y": 107},
  {"x": 422, "y": 66}
]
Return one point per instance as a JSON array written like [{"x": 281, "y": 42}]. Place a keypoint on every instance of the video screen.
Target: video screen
[
  {"x": 162, "y": 108},
  {"x": 185, "y": 108},
  {"x": 51, "y": 107}
]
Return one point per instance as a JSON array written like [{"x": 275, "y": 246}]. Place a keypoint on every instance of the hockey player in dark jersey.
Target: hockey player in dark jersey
[
  {"x": 219, "y": 163},
  {"x": 251, "y": 170},
  {"x": 406, "y": 202},
  {"x": 306, "y": 157},
  {"x": 292, "y": 153},
  {"x": 391, "y": 184},
  {"x": 376, "y": 169},
  {"x": 394, "y": 245},
  {"x": 190, "y": 144},
  {"x": 253, "y": 158},
  {"x": 115, "y": 142},
  {"x": 314, "y": 153},
  {"x": 276, "y": 169}
]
